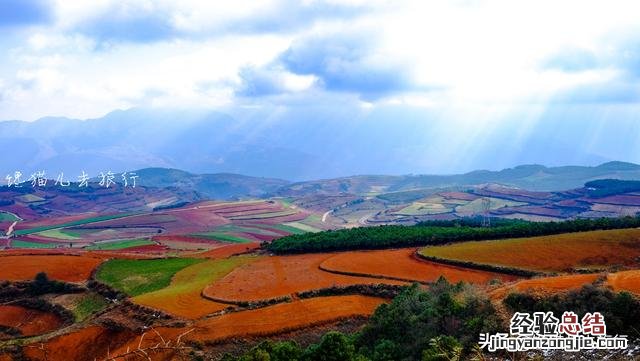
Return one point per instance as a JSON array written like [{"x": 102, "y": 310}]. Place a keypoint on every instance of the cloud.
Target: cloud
[
  {"x": 24, "y": 12},
  {"x": 571, "y": 60},
  {"x": 145, "y": 22},
  {"x": 346, "y": 63}
]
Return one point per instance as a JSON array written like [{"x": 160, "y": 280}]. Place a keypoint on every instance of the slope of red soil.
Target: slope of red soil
[
  {"x": 625, "y": 281},
  {"x": 279, "y": 276},
  {"x": 228, "y": 250},
  {"x": 87, "y": 344},
  {"x": 29, "y": 322},
  {"x": 546, "y": 285},
  {"x": 60, "y": 267},
  {"x": 401, "y": 264}
]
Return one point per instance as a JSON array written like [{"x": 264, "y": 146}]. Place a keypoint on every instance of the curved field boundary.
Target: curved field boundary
[
  {"x": 183, "y": 296},
  {"x": 402, "y": 265},
  {"x": 369, "y": 275},
  {"x": 482, "y": 267}
]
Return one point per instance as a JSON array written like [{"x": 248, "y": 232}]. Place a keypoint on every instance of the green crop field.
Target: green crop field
[
  {"x": 110, "y": 246},
  {"x": 8, "y": 217},
  {"x": 136, "y": 277},
  {"x": 16, "y": 243},
  {"x": 222, "y": 236},
  {"x": 87, "y": 305},
  {"x": 58, "y": 233},
  {"x": 186, "y": 285}
]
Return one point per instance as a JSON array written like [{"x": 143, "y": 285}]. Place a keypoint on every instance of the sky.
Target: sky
[{"x": 479, "y": 65}]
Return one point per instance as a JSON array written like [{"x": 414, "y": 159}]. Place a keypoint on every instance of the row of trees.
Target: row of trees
[{"x": 434, "y": 233}]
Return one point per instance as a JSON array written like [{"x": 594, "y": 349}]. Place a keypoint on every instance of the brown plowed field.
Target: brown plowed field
[
  {"x": 625, "y": 281},
  {"x": 29, "y": 322},
  {"x": 401, "y": 264},
  {"x": 59, "y": 267},
  {"x": 279, "y": 276}
]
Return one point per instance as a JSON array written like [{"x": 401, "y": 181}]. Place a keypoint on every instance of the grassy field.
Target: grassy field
[
  {"x": 590, "y": 250},
  {"x": 71, "y": 224},
  {"x": 16, "y": 243},
  {"x": 110, "y": 246},
  {"x": 182, "y": 296},
  {"x": 222, "y": 236},
  {"x": 87, "y": 305},
  {"x": 136, "y": 277},
  {"x": 476, "y": 206},
  {"x": 58, "y": 233},
  {"x": 8, "y": 217}
]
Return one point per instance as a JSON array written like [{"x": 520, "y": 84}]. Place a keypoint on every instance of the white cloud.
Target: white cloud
[{"x": 452, "y": 54}]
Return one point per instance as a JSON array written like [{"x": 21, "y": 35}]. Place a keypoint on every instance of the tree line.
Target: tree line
[{"x": 435, "y": 233}]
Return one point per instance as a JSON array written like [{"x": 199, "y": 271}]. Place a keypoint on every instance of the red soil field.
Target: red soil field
[
  {"x": 402, "y": 264},
  {"x": 228, "y": 250},
  {"x": 60, "y": 267},
  {"x": 29, "y": 322},
  {"x": 546, "y": 285},
  {"x": 279, "y": 276},
  {"x": 266, "y": 321},
  {"x": 86, "y": 344},
  {"x": 625, "y": 281}
]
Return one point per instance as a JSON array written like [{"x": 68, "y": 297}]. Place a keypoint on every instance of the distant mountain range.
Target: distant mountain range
[
  {"x": 530, "y": 177},
  {"x": 309, "y": 145}
]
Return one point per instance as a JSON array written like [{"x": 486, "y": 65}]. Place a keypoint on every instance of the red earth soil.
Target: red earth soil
[
  {"x": 625, "y": 281},
  {"x": 86, "y": 344},
  {"x": 279, "y": 276},
  {"x": 402, "y": 264},
  {"x": 228, "y": 250},
  {"x": 60, "y": 267},
  {"x": 94, "y": 342},
  {"x": 29, "y": 322},
  {"x": 546, "y": 285},
  {"x": 276, "y": 319}
]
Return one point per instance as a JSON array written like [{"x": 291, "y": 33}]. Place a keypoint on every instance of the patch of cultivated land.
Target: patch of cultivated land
[
  {"x": 58, "y": 267},
  {"x": 228, "y": 250},
  {"x": 182, "y": 297},
  {"x": 29, "y": 322},
  {"x": 625, "y": 281},
  {"x": 123, "y": 244},
  {"x": 546, "y": 285},
  {"x": 135, "y": 277},
  {"x": 279, "y": 276},
  {"x": 596, "y": 249},
  {"x": 401, "y": 264}
]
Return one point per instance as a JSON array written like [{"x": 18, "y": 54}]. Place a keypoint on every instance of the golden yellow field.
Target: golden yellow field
[{"x": 564, "y": 252}]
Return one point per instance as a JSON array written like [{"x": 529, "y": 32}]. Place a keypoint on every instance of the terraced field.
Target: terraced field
[
  {"x": 592, "y": 250},
  {"x": 58, "y": 267},
  {"x": 625, "y": 281},
  {"x": 402, "y": 265},
  {"x": 135, "y": 277},
  {"x": 280, "y": 276},
  {"x": 182, "y": 296}
]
